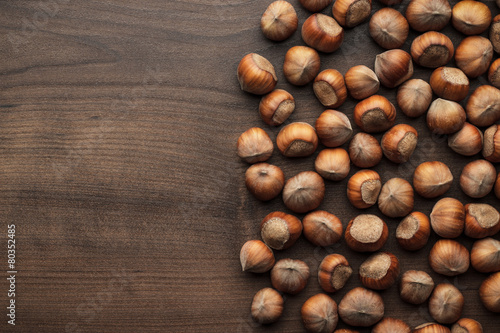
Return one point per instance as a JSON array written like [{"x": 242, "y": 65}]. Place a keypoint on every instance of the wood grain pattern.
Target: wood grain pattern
[{"x": 118, "y": 124}]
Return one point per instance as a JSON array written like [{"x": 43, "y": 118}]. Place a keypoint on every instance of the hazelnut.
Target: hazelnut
[
  {"x": 450, "y": 83},
  {"x": 415, "y": 287},
  {"x": 315, "y": 5},
  {"x": 493, "y": 73},
  {"x": 264, "y": 181},
  {"x": 379, "y": 271},
  {"x": 473, "y": 55},
  {"x": 471, "y": 17},
  {"x": 332, "y": 164},
  {"x": 361, "y": 307},
  {"x": 290, "y": 276},
  {"x": 477, "y": 178},
  {"x": 489, "y": 292},
  {"x": 391, "y": 325},
  {"x": 361, "y": 82},
  {"x": 431, "y": 327},
  {"x": 399, "y": 142},
  {"x": 267, "y": 306},
  {"x": 432, "y": 49},
  {"x": 329, "y": 88},
  {"x": 446, "y": 303},
  {"x": 301, "y": 65},
  {"x": 396, "y": 198},
  {"x": 467, "y": 325},
  {"x": 414, "y": 97},
  {"x": 481, "y": 220},
  {"x": 485, "y": 255},
  {"x": 468, "y": 141},
  {"x": 276, "y": 107},
  {"x": 279, "y": 21},
  {"x": 413, "y": 231},
  {"x": 319, "y": 314},
  {"x": 449, "y": 257},
  {"x": 322, "y": 228},
  {"x": 393, "y": 67},
  {"x": 280, "y": 230},
  {"x": 366, "y": 233},
  {"x": 256, "y": 74},
  {"x": 495, "y": 33},
  {"x": 483, "y": 106},
  {"x": 432, "y": 179},
  {"x": 254, "y": 145},
  {"x": 297, "y": 140},
  {"x": 426, "y": 15},
  {"x": 445, "y": 117},
  {"x": 363, "y": 188},
  {"x": 374, "y": 114},
  {"x": 256, "y": 257},
  {"x": 322, "y": 33},
  {"x": 448, "y": 218},
  {"x": 389, "y": 28},
  {"x": 497, "y": 187},
  {"x": 491, "y": 144},
  {"x": 304, "y": 192},
  {"x": 350, "y": 13},
  {"x": 333, "y": 272},
  {"x": 333, "y": 128},
  {"x": 364, "y": 150}
]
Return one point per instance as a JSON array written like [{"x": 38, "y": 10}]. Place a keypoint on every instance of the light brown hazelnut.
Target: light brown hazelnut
[
  {"x": 391, "y": 325},
  {"x": 350, "y": 13},
  {"x": 264, "y": 181},
  {"x": 380, "y": 271},
  {"x": 254, "y": 145},
  {"x": 389, "y": 28},
  {"x": 322, "y": 228},
  {"x": 483, "y": 106},
  {"x": 322, "y": 33},
  {"x": 495, "y": 33},
  {"x": 467, "y": 325},
  {"x": 396, "y": 198},
  {"x": 364, "y": 150},
  {"x": 329, "y": 88},
  {"x": 304, "y": 192},
  {"x": 366, "y": 233},
  {"x": 374, "y": 114},
  {"x": 399, "y": 142},
  {"x": 489, "y": 292},
  {"x": 319, "y": 314},
  {"x": 426, "y": 15},
  {"x": 290, "y": 276},
  {"x": 332, "y": 164},
  {"x": 491, "y": 144},
  {"x": 267, "y": 306},
  {"x": 415, "y": 287},
  {"x": 256, "y": 74},
  {"x": 445, "y": 117},
  {"x": 333, "y": 128},
  {"x": 432, "y": 179},
  {"x": 361, "y": 82},
  {"x": 279, "y": 21},
  {"x": 393, "y": 67},
  {"x": 450, "y": 83},
  {"x": 361, "y": 307},
  {"x": 481, "y": 220},
  {"x": 256, "y": 257},
  {"x": 494, "y": 73},
  {"x": 301, "y": 65},
  {"x": 471, "y": 17},
  {"x": 280, "y": 230},
  {"x": 276, "y": 107},
  {"x": 315, "y": 5},
  {"x": 448, "y": 218},
  {"x": 468, "y": 141},
  {"x": 413, "y": 231},
  {"x": 431, "y": 327},
  {"x": 485, "y": 255},
  {"x": 473, "y": 55},
  {"x": 363, "y": 188},
  {"x": 477, "y": 178},
  {"x": 297, "y": 140},
  {"x": 449, "y": 257},
  {"x": 446, "y": 303},
  {"x": 414, "y": 97},
  {"x": 333, "y": 273},
  {"x": 432, "y": 49}
]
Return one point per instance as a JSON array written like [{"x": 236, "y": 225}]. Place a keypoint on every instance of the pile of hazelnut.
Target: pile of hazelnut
[{"x": 470, "y": 130}]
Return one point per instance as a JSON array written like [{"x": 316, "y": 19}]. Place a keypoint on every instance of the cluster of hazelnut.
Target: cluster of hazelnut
[{"x": 304, "y": 192}]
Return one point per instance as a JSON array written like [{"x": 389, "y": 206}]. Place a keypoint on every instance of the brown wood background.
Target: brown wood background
[{"x": 118, "y": 125}]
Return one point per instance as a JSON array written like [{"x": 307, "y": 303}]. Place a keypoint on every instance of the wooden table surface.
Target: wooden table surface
[{"x": 118, "y": 127}]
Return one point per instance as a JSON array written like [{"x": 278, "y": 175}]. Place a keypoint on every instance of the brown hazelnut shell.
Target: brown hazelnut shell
[
  {"x": 366, "y": 233},
  {"x": 322, "y": 33},
  {"x": 374, "y": 114},
  {"x": 481, "y": 220},
  {"x": 413, "y": 231},
  {"x": 322, "y": 228},
  {"x": 379, "y": 271},
  {"x": 334, "y": 272},
  {"x": 276, "y": 107},
  {"x": 449, "y": 257},
  {"x": 399, "y": 142},
  {"x": 280, "y": 230},
  {"x": 297, "y": 140}
]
